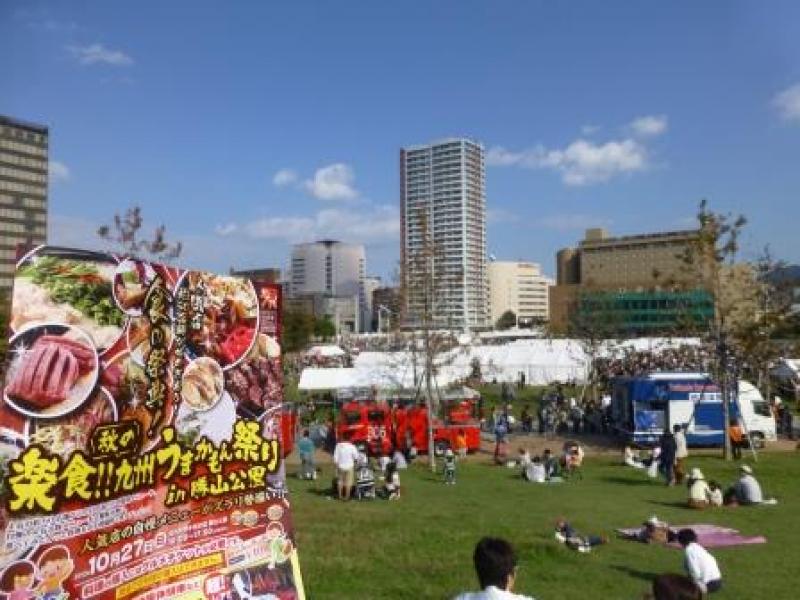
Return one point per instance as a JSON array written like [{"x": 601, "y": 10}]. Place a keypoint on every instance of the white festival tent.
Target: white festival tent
[{"x": 542, "y": 361}]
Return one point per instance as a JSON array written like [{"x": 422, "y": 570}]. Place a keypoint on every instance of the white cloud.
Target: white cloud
[
  {"x": 649, "y": 125},
  {"x": 590, "y": 129},
  {"x": 95, "y": 54},
  {"x": 58, "y": 171},
  {"x": 787, "y": 103},
  {"x": 334, "y": 182},
  {"x": 569, "y": 222},
  {"x": 284, "y": 177},
  {"x": 582, "y": 162},
  {"x": 374, "y": 224}
]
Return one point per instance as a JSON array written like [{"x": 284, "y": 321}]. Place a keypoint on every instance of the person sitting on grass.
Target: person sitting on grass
[
  {"x": 671, "y": 586},
  {"x": 582, "y": 543},
  {"x": 449, "y": 467},
  {"x": 630, "y": 458},
  {"x": 496, "y": 565},
  {"x": 746, "y": 490},
  {"x": 535, "y": 471},
  {"x": 699, "y": 491},
  {"x": 699, "y": 564},
  {"x": 653, "y": 531},
  {"x": 392, "y": 482}
]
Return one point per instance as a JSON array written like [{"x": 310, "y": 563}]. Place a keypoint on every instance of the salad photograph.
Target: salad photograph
[{"x": 72, "y": 291}]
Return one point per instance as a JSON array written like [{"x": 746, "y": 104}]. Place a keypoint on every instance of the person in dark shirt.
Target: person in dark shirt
[{"x": 667, "y": 457}]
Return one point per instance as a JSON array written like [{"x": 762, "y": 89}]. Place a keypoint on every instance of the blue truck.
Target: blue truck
[{"x": 643, "y": 407}]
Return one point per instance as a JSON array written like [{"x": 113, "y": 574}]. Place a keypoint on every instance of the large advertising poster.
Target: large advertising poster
[{"x": 140, "y": 435}]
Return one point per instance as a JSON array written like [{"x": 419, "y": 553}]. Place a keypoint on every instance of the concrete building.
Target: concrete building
[
  {"x": 519, "y": 287},
  {"x": 629, "y": 276},
  {"x": 265, "y": 275},
  {"x": 23, "y": 191},
  {"x": 332, "y": 269},
  {"x": 443, "y": 233},
  {"x": 343, "y": 311}
]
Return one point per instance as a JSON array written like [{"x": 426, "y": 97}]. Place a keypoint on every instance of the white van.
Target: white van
[{"x": 756, "y": 414}]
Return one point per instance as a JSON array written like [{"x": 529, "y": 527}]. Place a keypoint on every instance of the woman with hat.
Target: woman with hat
[{"x": 699, "y": 491}]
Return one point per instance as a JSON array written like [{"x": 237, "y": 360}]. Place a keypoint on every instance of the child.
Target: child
[
  {"x": 449, "y": 467},
  {"x": 535, "y": 471},
  {"x": 392, "y": 485},
  {"x": 582, "y": 543},
  {"x": 715, "y": 497}
]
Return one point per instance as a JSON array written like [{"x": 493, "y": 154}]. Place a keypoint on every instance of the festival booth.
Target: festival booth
[{"x": 141, "y": 445}]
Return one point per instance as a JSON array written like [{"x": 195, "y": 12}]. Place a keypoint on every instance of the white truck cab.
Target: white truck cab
[{"x": 756, "y": 414}]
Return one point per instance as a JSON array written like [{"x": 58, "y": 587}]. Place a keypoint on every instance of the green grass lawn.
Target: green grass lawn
[{"x": 421, "y": 546}]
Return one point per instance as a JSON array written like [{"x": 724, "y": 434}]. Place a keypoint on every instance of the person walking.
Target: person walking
[
  {"x": 737, "y": 438},
  {"x": 699, "y": 564},
  {"x": 681, "y": 452},
  {"x": 667, "y": 457}
]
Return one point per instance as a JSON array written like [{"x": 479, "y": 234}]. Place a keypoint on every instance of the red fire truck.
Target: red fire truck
[
  {"x": 412, "y": 428},
  {"x": 368, "y": 425}
]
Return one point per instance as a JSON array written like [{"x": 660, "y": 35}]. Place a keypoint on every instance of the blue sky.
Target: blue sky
[{"x": 247, "y": 126}]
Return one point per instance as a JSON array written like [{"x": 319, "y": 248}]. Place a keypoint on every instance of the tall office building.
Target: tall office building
[
  {"x": 329, "y": 269},
  {"x": 23, "y": 191},
  {"x": 521, "y": 288},
  {"x": 443, "y": 233}
]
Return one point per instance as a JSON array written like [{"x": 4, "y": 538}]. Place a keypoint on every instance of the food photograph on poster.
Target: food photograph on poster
[{"x": 140, "y": 435}]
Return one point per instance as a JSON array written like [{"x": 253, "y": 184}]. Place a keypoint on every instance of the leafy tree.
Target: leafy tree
[
  {"x": 507, "y": 320},
  {"x": 125, "y": 234},
  {"x": 324, "y": 328},
  {"x": 297, "y": 329},
  {"x": 709, "y": 262}
]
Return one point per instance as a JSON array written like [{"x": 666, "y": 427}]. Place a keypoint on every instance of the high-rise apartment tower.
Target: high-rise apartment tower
[
  {"x": 23, "y": 191},
  {"x": 443, "y": 234}
]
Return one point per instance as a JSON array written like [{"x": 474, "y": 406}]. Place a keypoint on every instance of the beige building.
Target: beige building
[
  {"x": 519, "y": 287},
  {"x": 23, "y": 191},
  {"x": 604, "y": 263},
  {"x": 643, "y": 261}
]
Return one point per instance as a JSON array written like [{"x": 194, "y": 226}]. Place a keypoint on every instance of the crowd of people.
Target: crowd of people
[{"x": 629, "y": 362}]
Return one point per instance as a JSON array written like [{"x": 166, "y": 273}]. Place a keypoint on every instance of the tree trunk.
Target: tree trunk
[
  {"x": 726, "y": 417},
  {"x": 429, "y": 401}
]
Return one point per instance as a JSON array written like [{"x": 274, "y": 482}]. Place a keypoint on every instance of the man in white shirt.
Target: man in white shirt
[
  {"x": 496, "y": 566},
  {"x": 699, "y": 564},
  {"x": 345, "y": 456}
]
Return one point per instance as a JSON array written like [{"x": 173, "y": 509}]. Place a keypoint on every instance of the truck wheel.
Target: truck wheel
[{"x": 440, "y": 447}]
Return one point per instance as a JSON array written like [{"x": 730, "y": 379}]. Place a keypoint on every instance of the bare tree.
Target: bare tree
[
  {"x": 429, "y": 291},
  {"x": 125, "y": 234}
]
